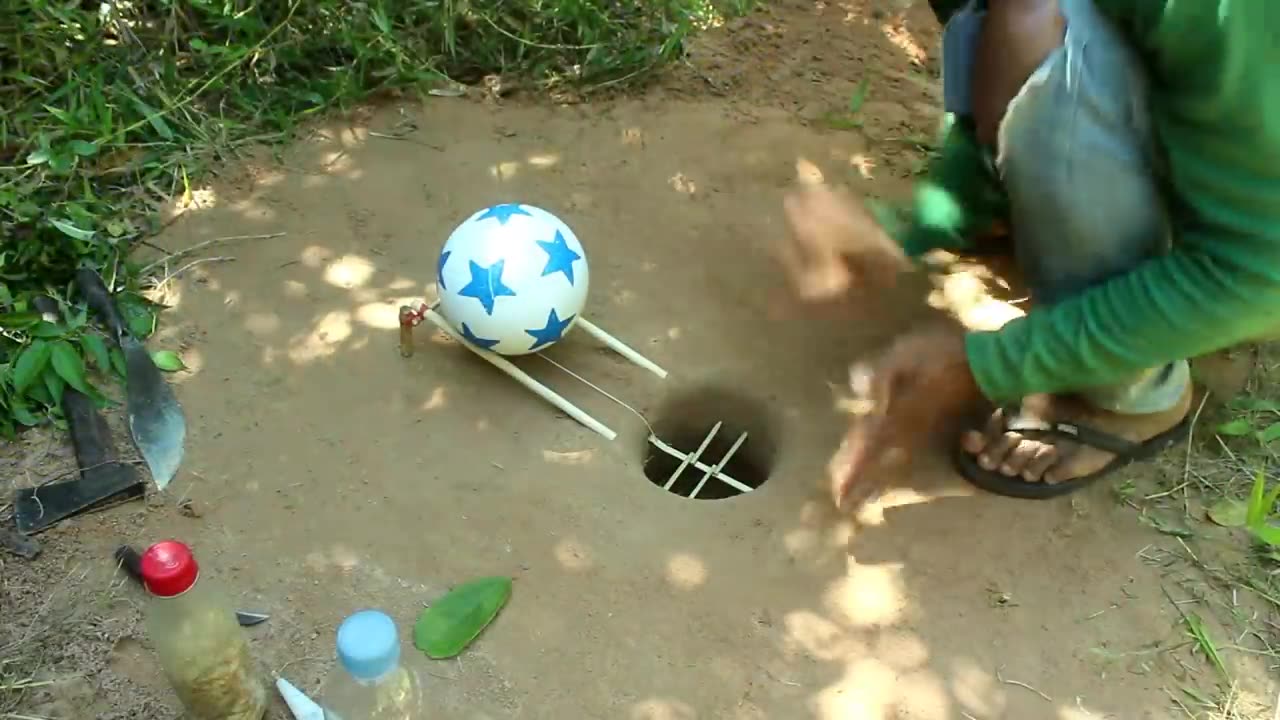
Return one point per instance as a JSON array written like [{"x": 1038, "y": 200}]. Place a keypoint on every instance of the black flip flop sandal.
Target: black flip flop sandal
[{"x": 1125, "y": 451}]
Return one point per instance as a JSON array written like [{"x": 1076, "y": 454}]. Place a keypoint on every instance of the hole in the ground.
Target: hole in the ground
[{"x": 683, "y": 424}]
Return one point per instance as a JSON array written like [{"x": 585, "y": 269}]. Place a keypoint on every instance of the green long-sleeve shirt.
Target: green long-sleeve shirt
[{"x": 1215, "y": 100}]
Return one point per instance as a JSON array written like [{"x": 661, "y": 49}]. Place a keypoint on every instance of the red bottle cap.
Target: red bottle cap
[{"x": 169, "y": 568}]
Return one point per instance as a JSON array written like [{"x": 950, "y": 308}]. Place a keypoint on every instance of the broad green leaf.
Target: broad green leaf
[
  {"x": 18, "y": 320},
  {"x": 168, "y": 360},
  {"x": 39, "y": 392},
  {"x": 1235, "y": 428},
  {"x": 71, "y": 230},
  {"x": 46, "y": 329},
  {"x": 68, "y": 364},
  {"x": 30, "y": 364},
  {"x": 54, "y": 383},
  {"x": 23, "y": 414},
  {"x": 84, "y": 148},
  {"x": 95, "y": 348},
  {"x": 1272, "y": 433},
  {"x": 139, "y": 319},
  {"x": 118, "y": 363},
  {"x": 452, "y": 622},
  {"x": 1229, "y": 512}
]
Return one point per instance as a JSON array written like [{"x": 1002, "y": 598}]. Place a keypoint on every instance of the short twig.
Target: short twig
[
  {"x": 405, "y": 138},
  {"x": 206, "y": 243},
  {"x": 1023, "y": 685},
  {"x": 165, "y": 280}
]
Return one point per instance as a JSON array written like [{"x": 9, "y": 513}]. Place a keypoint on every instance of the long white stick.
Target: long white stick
[
  {"x": 523, "y": 378},
  {"x": 621, "y": 348}
]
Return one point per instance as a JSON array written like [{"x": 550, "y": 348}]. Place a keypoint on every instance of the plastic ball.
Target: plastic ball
[{"x": 512, "y": 279}]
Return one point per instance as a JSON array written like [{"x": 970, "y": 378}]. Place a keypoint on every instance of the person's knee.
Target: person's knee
[{"x": 1076, "y": 162}]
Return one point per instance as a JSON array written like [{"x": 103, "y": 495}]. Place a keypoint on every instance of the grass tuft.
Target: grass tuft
[{"x": 112, "y": 108}]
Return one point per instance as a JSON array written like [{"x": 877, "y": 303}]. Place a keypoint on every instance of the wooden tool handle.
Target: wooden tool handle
[{"x": 95, "y": 293}]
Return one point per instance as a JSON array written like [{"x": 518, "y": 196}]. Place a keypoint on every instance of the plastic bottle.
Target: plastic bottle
[
  {"x": 203, "y": 650},
  {"x": 370, "y": 682}
]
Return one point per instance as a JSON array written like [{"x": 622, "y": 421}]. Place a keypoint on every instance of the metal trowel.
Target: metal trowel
[{"x": 155, "y": 417}]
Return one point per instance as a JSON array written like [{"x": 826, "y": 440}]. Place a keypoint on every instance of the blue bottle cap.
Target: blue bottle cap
[{"x": 368, "y": 645}]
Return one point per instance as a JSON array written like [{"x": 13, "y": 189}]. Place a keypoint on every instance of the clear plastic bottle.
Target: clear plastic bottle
[
  {"x": 370, "y": 682},
  {"x": 201, "y": 647}
]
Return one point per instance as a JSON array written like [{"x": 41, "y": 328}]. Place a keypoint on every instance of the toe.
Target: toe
[
  {"x": 973, "y": 442},
  {"x": 1018, "y": 458},
  {"x": 1044, "y": 458},
  {"x": 995, "y": 453}
]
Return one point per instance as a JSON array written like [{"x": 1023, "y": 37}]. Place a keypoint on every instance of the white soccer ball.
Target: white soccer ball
[{"x": 512, "y": 279}]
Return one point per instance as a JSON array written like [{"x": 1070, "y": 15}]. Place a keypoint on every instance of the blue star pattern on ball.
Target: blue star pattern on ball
[
  {"x": 486, "y": 285},
  {"x": 550, "y": 332},
  {"x": 482, "y": 343},
  {"x": 444, "y": 258},
  {"x": 560, "y": 257},
  {"x": 502, "y": 213}
]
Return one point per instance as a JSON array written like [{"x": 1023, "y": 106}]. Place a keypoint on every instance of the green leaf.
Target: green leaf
[
  {"x": 859, "y": 95},
  {"x": 17, "y": 320},
  {"x": 155, "y": 118},
  {"x": 39, "y": 157},
  {"x": 452, "y": 622},
  {"x": 95, "y": 348},
  {"x": 118, "y": 363},
  {"x": 54, "y": 383},
  {"x": 1259, "y": 508},
  {"x": 46, "y": 329},
  {"x": 71, "y": 230},
  {"x": 23, "y": 414},
  {"x": 84, "y": 148},
  {"x": 1267, "y": 533},
  {"x": 1271, "y": 434},
  {"x": 30, "y": 364},
  {"x": 1256, "y": 404},
  {"x": 1235, "y": 428},
  {"x": 139, "y": 319},
  {"x": 1229, "y": 512},
  {"x": 70, "y": 366},
  {"x": 168, "y": 360}
]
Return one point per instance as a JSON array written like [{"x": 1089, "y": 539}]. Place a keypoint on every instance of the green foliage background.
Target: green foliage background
[{"x": 106, "y": 109}]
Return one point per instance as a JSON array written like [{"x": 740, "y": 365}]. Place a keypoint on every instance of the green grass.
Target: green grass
[
  {"x": 1216, "y": 502},
  {"x": 107, "y": 114}
]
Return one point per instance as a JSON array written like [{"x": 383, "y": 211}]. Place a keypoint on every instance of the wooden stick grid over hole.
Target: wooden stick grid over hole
[{"x": 709, "y": 471}]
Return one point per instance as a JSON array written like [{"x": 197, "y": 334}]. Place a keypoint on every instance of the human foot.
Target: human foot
[{"x": 1054, "y": 445}]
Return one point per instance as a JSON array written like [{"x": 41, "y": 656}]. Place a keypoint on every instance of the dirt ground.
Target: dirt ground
[{"x": 326, "y": 473}]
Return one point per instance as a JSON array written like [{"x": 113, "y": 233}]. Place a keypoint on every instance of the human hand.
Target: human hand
[
  {"x": 835, "y": 245},
  {"x": 920, "y": 383}
]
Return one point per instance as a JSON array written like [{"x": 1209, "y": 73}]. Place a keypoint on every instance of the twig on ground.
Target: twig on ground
[
  {"x": 1020, "y": 684},
  {"x": 165, "y": 280},
  {"x": 215, "y": 241}
]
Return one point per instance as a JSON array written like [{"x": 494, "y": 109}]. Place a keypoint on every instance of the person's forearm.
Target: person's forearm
[{"x": 1222, "y": 291}]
